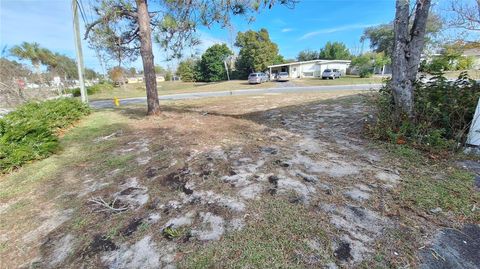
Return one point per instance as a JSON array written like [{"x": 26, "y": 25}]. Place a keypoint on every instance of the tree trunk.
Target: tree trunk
[
  {"x": 407, "y": 51},
  {"x": 37, "y": 71},
  {"x": 143, "y": 19}
]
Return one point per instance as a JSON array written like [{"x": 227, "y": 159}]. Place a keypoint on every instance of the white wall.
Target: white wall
[
  {"x": 340, "y": 66},
  {"x": 476, "y": 62},
  {"x": 474, "y": 134},
  {"x": 295, "y": 71},
  {"x": 308, "y": 68},
  {"x": 315, "y": 69}
]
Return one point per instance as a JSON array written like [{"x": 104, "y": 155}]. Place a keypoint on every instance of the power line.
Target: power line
[{"x": 82, "y": 12}]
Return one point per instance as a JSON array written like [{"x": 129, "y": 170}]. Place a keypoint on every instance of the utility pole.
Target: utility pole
[
  {"x": 226, "y": 69},
  {"x": 78, "y": 49}
]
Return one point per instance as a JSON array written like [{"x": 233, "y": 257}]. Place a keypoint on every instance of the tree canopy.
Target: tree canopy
[
  {"x": 257, "y": 52},
  {"x": 32, "y": 52},
  {"x": 307, "y": 55},
  {"x": 334, "y": 51},
  {"x": 212, "y": 66},
  {"x": 381, "y": 37},
  {"x": 189, "y": 70},
  {"x": 331, "y": 51},
  {"x": 56, "y": 63},
  {"x": 367, "y": 62}
]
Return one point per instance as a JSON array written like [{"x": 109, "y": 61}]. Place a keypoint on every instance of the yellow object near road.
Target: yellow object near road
[{"x": 116, "y": 101}]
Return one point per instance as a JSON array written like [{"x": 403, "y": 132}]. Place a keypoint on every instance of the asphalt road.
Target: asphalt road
[{"x": 184, "y": 96}]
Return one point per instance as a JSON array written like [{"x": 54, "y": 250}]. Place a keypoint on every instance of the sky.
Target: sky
[{"x": 309, "y": 25}]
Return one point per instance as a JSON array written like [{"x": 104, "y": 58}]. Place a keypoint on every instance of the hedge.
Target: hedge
[{"x": 30, "y": 132}]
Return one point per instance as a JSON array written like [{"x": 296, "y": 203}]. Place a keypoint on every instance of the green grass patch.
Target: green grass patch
[
  {"x": 406, "y": 153},
  {"x": 120, "y": 161},
  {"x": 30, "y": 132},
  {"x": 20, "y": 204},
  {"x": 455, "y": 193},
  {"x": 276, "y": 240},
  {"x": 79, "y": 223},
  {"x": 3, "y": 246}
]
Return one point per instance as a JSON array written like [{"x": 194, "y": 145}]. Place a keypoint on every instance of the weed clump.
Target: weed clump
[
  {"x": 443, "y": 111},
  {"x": 30, "y": 132}
]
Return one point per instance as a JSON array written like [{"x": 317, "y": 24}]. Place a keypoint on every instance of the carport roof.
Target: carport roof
[{"x": 319, "y": 61}]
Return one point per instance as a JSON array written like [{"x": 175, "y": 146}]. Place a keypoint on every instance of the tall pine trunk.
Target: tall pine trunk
[
  {"x": 147, "y": 57},
  {"x": 407, "y": 51}
]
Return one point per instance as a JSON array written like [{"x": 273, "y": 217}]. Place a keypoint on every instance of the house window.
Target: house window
[
  {"x": 294, "y": 69},
  {"x": 308, "y": 74}
]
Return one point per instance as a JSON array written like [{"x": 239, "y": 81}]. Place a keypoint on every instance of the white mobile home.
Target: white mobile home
[{"x": 309, "y": 69}]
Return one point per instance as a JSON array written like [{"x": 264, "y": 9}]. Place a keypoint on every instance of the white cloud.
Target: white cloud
[
  {"x": 286, "y": 30},
  {"x": 207, "y": 41},
  {"x": 334, "y": 30}
]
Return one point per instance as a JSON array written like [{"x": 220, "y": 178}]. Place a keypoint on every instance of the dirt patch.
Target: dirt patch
[
  {"x": 262, "y": 179},
  {"x": 101, "y": 243},
  {"x": 212, "y": 227},
  {"x": 61, "y": 249},
  {"x": 142, "y": 254},
  {"x": 342, "y": 252},
  {"x": 131, "y": 227},
  {"x": 452, "y": 248}
]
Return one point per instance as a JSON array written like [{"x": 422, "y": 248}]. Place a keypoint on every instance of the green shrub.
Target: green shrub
[
  {"x": 438, "y": 64},
  {"x": 93, "y": 89},
  {"x": 29, "y": 133},
  {"x": 445, "y": 63},
  {"x": 465, "y": 63},
  {"x": 365, "y": 73},
  {"x": 443, "y": 111}
]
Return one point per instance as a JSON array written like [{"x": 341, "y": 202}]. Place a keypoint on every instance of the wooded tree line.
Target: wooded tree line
[
  {"x": 331, "y": 51},
  {"x": 256, "y": 53}
]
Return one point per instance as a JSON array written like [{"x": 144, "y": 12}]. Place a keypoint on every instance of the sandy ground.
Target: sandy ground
[{"x": 193, "y": 175}]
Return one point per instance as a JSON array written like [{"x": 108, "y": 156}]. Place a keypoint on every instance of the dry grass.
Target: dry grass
[
  {"x": 345, "y": 80},
  {"x": 171, "y": 87},
  {"x": 175, "y": 87},
  {"x": 183, "y": 137}
]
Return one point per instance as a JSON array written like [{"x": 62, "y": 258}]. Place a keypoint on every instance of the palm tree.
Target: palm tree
[
  {"x": 35, "y": 54},
  {"x": 29, "y": 51}
]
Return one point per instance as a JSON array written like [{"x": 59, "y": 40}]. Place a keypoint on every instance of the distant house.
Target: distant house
[
  {"x": 475, "y": 54},
  {"x": 309, "y": 69},
  {"x": 135, "y": 79},
  {"x": 139, "y": 79}
]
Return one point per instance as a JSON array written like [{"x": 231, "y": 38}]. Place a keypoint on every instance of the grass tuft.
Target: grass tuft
[
  {"x": 455, "y": 193},
  {"x": 276, "y": 240}
]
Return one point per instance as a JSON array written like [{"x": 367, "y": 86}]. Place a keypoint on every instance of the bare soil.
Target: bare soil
[{"x": 162, "y": 190}]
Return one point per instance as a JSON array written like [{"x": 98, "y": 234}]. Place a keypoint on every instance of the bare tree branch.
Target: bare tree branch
[
  {"x": 465, "y": 16},
  {"x": 105, "y": 206}
]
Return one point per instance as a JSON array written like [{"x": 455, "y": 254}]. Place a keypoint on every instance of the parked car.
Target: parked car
[
  {"x": 331, "y": 74},
  {"x": 282, "y": 76},
  {"x": 257, "y": 78}
]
